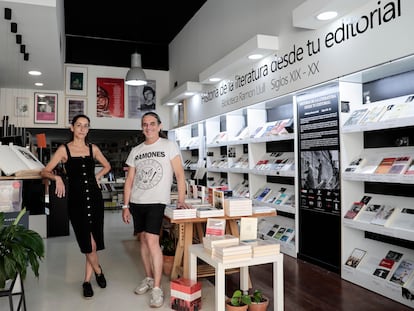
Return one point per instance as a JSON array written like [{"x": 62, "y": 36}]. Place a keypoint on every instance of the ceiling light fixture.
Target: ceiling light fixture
[
  {"x": 136, "y": 76},
  {"x": 325, "y": 16},
  {"x": 7, "y": 13},
  {"x": 38, "y": 84},
  {"x": 13, "y": 27},
  {"x": 19, "y": 39},
  {"x": 255, "y": 56},
  {"x": 34, "y": 73},
  {"x": 26, "y": 56}
]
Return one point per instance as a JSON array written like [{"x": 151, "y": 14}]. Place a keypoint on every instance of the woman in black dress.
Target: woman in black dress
[{"x": 85, "y": 203}]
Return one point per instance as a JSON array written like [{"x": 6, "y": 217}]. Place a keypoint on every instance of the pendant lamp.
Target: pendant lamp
[{"x": 135, "y": 75}]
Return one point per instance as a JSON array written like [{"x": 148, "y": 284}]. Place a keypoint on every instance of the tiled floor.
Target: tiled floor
[{"x": 59, "y": 287}]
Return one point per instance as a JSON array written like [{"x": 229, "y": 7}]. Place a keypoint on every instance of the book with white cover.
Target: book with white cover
[
  {"x": 403, "y": 219},
  {"x": 212, "y": 241},
  {"x": 356, "y": 116},
  {"x": 373, "y": 115},
  {"x": 383, "y": 216},
  {"x": 173, "y": 212},
  {"x": 19, "y": 161},
  {"x": 367, "y": 213},
  {"x": 207, "y": 210},
  {"x": 248, "y": 228}
]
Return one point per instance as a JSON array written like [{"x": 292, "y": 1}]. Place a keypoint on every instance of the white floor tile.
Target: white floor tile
[{"x": 59, "y": 287}]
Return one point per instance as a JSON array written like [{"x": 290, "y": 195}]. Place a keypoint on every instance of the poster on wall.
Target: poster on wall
[
  {"x": 141, "y": 99},
  {"x": 319, "y": 150},
  {"x": 110, "y": 98},
  {"x": 45, "y": 107},
  {"x": 74, "y": 106}
]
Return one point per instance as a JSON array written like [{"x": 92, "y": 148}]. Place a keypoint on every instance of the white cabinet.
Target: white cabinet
[{"x": 372, "y": 141}]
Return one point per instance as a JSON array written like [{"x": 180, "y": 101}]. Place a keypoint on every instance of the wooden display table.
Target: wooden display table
[
  {"x": 186, "y": 235},
  {"x": 198, "y": 251}
]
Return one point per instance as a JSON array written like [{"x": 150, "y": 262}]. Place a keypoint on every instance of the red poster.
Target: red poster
[{"x": 110, "y": 97}]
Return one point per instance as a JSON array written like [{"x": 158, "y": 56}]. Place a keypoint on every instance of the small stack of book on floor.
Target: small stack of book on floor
[
  {"x": 185, "y": 294},
  {"x": 262, "y": 247},
  {"x": 172, "y": 212},
  {"x": 238, "y": 206},
  {"x": 231, "y": 253}
]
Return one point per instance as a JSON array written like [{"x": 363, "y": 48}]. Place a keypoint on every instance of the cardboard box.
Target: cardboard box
[{"x": 185, "y": 295}]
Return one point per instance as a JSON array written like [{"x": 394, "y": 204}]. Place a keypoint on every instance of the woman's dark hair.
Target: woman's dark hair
[
  {"x": 156, "y": 116},
  {"x": 148, "y": 88},
  {"x": 76, "y": 118}
]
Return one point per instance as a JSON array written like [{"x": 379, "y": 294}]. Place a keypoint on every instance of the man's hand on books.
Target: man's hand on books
[{"x": 183, "y": 205}]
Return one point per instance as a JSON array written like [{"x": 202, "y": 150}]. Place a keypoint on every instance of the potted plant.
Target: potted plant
[
  {"x": 168, "y": 242},
  {"x": 259, "y": 301},
  {"x": 238, "y": 302},
  {"x": 19, "y": 247}
]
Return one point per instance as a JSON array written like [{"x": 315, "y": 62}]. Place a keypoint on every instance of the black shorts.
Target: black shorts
[{"x": 147, "y": 217}]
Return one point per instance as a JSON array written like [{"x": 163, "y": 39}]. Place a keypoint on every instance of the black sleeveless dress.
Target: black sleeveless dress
[{"x": 85, "y": 203}]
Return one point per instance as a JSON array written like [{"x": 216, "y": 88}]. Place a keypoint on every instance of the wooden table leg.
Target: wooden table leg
[
  {"x": 179, "y": 251},
  {"x": 188, "y": 240}
]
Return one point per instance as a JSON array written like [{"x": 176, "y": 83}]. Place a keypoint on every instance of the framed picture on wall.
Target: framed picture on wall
[
  {"x": 76, "y": 80},
  {"x": 110, "y": 98},
  {"x": 45, "y": 109},
  {"x": 74, "y": 106},
  {"x": 21, "y": 107}
]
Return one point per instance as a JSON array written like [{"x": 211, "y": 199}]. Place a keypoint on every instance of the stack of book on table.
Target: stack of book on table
[
  {"x": 212, "y": 241},
  {"x": 185, "y": 294},
  {"x": 232, "y": 253},
  {"x": 238, "y": 206},
  {"x": 172, "y": 212},
  {"x": 207, "y": 210},
  {"x": 262, "y": 247}
]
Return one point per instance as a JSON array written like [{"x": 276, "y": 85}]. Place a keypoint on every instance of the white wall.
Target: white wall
[
  {"x": 8, "y": 100},
  {"x": 220, "y": 27}
]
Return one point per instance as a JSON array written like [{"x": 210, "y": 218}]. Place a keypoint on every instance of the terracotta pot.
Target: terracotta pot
[
  {"x": 168, "y": 262},
  {"x": 259, "y": 306},
  {"x": 229, "y": 307}
]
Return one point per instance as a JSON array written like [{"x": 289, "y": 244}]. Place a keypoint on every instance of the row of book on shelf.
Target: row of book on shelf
[
  {"x": 387, "y": 215},
  {"x": 277, "y": 197},
  {"x": 270, "y": 230},
  {"x": 272, "y": 128},
  {"x": 374, "y": 164},
  {"x": 392, "y": 109},
  {"x": 229, "y": 248},
  {"x": 393, "y": 267}
]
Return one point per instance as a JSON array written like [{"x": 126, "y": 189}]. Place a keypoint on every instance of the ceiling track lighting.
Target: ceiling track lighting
[
  {"x": 136, "y": 76},
  {"x": 7, "y": 13},
  {"x": 26, "y": 56},
  {"x": 13, "y": 27},
  {"x": 18, "y": 39},
  {"x": 23, "y": 49}
]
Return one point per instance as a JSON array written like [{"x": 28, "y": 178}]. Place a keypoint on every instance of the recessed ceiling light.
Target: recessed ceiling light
[
  {"x": 39, "y": 84},
  {"x": 255, "y": 56},
  {"x": 189, "y": 93},
  {"x": 34, "y": 73},
  {"x": 325, "y": 16},
  {"x": 215, "y": 79},
  {"x": 170, "y": 104}
]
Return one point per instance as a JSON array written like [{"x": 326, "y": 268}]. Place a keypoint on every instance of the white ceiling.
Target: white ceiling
[{"x": 40, "y": 22}]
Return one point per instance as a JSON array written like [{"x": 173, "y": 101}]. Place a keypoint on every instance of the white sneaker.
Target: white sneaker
[
  {"x": 146, "y": 285},
  {"x": 157, "y": 297}
]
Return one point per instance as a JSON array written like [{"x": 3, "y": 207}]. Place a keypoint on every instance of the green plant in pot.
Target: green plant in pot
[
  {"x": 259, "y": 301},
  {"x": 19, "y": 248},
  {"x": 238, "y": 301}
]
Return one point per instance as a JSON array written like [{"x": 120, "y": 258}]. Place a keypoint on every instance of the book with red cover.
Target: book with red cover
[
  {"x": 185, "y": 285},
  {"x": 354, "y": 210}
]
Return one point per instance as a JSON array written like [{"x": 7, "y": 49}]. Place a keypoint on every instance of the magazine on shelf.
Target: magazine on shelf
[
  {"x": 403, "y": 219},
  {"x": 383, "y": 216},
  {"x": 410, "y": 169},
  {"x": 368, "y": 212},
  {"x": 355, "y": 257},
  {"x": 19, "y": 161},
  {"x": 373, "y": 115},
  {"x": 385, "y": 165},
  {"x": 387, "y": 263},
  {"x": 355, "y": 164},
  {"x": 403, "y": 272},
  {"x": 400, "y": 165},
  {"x": 354, "y": 210},
  {"x": 288, "y": 235},
  {"x": 356, "y": 116}
]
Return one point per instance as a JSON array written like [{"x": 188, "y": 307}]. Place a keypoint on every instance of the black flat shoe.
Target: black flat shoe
[
  {"x": 87, "y": 290},
  {"x": 100, "y": 279}
]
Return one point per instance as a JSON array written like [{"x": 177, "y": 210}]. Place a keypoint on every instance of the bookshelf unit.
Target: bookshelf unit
[
  {"x": 372, "y": 141},
  {"x": 232, "y": 154}
]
